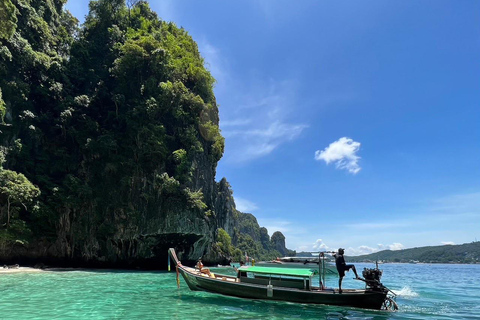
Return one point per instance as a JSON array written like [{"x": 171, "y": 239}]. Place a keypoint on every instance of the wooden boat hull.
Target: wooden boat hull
[
  {"x": 351, "y": 298},
  {"x": 230, "y": 286}
]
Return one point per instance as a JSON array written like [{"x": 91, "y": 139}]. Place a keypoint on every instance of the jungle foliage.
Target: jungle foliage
[
  {"x": 102, "y": 122},
  {"x": 122, "y": 104},
  {"x": 254, "y": 240}
]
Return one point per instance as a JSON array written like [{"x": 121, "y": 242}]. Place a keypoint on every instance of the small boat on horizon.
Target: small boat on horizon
[
  {"x": 286, "y": 284},
  {"x": 311, "y": 263}
]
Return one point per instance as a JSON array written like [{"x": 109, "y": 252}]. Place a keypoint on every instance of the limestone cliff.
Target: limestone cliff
[
  {"x": 278, "y": 241},
  {"x": 117, "y": 124}
]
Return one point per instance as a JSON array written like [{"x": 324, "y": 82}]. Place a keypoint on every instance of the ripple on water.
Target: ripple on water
[{"x": 424, "y": 292}]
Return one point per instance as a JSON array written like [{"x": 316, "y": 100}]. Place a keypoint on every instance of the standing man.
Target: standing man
[{"x": 342, "y": 267}]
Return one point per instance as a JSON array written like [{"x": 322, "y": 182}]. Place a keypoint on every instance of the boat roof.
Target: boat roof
[{"x": 295, "y": 272}]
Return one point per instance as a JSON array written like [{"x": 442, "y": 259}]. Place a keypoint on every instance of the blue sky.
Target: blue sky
[{"x": 350, "y": 124}]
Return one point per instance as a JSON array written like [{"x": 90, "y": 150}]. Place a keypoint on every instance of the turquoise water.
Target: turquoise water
[{"x": 424, "y": 292}]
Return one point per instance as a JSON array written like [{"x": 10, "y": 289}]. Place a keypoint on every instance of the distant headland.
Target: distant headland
[{"x": 463, "y": 253}]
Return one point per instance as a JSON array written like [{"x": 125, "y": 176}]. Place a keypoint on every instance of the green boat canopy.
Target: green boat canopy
[{"x": 292, "y": 272}]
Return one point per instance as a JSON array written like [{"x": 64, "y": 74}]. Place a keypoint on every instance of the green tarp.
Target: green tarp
[{"x": 279, "y": 271}]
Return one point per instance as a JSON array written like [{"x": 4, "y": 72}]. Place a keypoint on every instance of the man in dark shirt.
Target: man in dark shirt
[{"x": 342, "y": 267}]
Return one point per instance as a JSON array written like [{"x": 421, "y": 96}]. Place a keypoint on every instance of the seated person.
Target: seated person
[{"x": 201, "y": 268}]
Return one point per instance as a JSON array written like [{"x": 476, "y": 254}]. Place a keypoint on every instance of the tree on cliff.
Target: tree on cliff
[
  {"x": 8, "y": 19},
  {"x": 17, "y": 194},
  {"x": 117, "y": 128},
  {"x": 224, "y": 242},
  {"x": 116, "y": 123},
  {"x": 34, "y": 38},
  {"x": 15, "y": 190}
]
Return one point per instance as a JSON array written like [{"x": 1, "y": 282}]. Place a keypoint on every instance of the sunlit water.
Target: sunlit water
[{"x": 424, "y": 292}]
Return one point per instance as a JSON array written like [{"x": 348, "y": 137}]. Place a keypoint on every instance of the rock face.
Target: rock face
[
  {"x": 278, "y": 241},
  {"x": 118, "y": 127},
  {"x": 139, "y": 242},
  {"x": 247, "y": 224},
  {"x": 227, "y": 217}
]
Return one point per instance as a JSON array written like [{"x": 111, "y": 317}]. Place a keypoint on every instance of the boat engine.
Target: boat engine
[
  {"x": 372, "y": 277},
  {"x": 372, "y": 280}
]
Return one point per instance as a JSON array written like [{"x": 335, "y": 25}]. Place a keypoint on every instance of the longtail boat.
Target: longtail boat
[{"x": 286, "y": 284}]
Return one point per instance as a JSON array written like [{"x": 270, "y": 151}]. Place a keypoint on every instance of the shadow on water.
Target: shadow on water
[{"x": 278, "y": 310}]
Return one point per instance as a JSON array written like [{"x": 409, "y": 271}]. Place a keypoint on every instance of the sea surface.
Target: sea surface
[{"x": 423, "y": 291}]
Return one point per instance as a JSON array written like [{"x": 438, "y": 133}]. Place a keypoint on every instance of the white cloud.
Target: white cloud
[
  {"x": 467, "y": 204},
  {"x": 257, "y": 125},
  {"x": 343, "y": 153},
  {"x": 378, "y": 226},
  {"x": 215, "y": 62},
  {"x": 361, "y": 250},
  {"x": 255, "y": 151},
  {"x": 319, "y": 246},
  {"x": 236, "y": 123},
  {"x": 259, "y": 142},
  {"x": 396, "y": 246},
  {"x": 448, "y": 243},
  {"x": 449, "y": 219},
  {"x": 245, "y": 205},
  {"x": 278, "y": 130}
]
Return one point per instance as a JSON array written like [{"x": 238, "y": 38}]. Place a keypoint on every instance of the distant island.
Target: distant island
[{"x": 463, "y": 253}]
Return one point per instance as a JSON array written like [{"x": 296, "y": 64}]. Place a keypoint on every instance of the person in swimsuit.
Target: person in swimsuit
[
  {"x": 342, "y": 267},
  {"x": 201, "y": 268}
]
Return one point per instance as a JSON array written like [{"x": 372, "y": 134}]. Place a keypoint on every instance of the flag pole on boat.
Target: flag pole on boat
[
  {"x": 168, "y": 262},
  {"x": 321, "y": 269}
]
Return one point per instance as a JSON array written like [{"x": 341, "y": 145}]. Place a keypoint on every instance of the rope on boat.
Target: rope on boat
[
  {"x": 178, "y": 278},
  {"x": 171, "y": 252}
]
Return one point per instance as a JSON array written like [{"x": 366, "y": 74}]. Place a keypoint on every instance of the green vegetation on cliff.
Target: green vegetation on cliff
[
  {"x": 250, "y": 238},
  {"x": 16, "y": 193},
  {"x": 111, "y": 139}
]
